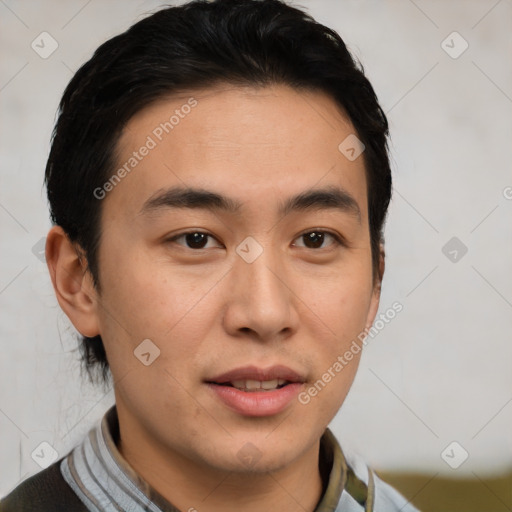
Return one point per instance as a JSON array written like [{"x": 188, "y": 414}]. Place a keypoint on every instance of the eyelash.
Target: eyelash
[{"x": 338, "y": 240}]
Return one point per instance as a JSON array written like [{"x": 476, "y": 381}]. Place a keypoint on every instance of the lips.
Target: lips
[{"x": 253, "y": 391}]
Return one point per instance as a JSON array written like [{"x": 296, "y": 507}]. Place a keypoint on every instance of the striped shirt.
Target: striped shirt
[{"x": 104, "y": 481}]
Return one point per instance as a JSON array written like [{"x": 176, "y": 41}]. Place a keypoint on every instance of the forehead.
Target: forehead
[{"x": 258, "y": 144}]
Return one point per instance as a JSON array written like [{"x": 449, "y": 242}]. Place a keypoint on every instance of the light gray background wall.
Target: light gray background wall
[{"x": 441, "y": 370}]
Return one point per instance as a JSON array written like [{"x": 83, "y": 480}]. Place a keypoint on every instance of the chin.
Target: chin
[
  {"x": 256, "y": 464},
  {"x": 267, "y": 454}
]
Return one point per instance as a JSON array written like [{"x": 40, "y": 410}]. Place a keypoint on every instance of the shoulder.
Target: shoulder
[
  {"x": 46, "y": 491},
  {"x": 382, "y": 497}
]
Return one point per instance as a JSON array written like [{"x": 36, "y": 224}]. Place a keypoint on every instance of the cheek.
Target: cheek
[
  {"x": 336, "y": 318},
  {"x": 150, "y": 295},
  {"x": 340, "y": 301},
  {"x": 149, "y": 299}
]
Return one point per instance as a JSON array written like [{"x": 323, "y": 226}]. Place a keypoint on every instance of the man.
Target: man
[{"x": 218, "y": 181}]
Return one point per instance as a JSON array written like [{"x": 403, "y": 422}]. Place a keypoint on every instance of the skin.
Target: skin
[{"x": 209, "y": 311}]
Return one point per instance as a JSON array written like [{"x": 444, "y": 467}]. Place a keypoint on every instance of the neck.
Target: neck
[{"x": 191, "y": 487}]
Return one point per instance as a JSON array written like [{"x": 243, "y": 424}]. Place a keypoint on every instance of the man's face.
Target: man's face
[{"x": 217, "y": 301}]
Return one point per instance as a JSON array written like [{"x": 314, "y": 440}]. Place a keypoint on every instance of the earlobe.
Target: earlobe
[{"x": 72, "y": 282}]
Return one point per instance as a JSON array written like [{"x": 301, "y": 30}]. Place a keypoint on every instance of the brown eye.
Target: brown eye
[
  {"x": 316, "y": 239},
  {"x": 196, "y": 240},
  {"x": 193, "y": 239}
]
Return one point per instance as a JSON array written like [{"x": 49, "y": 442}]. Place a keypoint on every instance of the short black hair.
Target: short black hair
[{"x": 195, "y": 46}]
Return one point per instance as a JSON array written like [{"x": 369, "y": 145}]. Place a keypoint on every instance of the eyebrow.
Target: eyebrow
[{"x": 329, "y": 198}]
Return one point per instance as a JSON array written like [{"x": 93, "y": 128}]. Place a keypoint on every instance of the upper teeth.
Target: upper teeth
[{"x": 249, "y": 384}]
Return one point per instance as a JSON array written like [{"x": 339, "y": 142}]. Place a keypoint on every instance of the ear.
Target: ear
[
  {"x": 72, "y": 282},
  {"x": 377, "y": 284}
]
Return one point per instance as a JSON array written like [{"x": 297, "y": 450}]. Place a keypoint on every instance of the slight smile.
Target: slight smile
[{"x": 252, "y": 391}]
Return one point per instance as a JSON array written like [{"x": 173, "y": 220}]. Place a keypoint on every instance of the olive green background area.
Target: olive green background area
[{"x": 438, "y": 493}]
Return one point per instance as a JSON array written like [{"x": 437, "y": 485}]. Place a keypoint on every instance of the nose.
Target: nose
[{"x": 261, "y": 301}]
